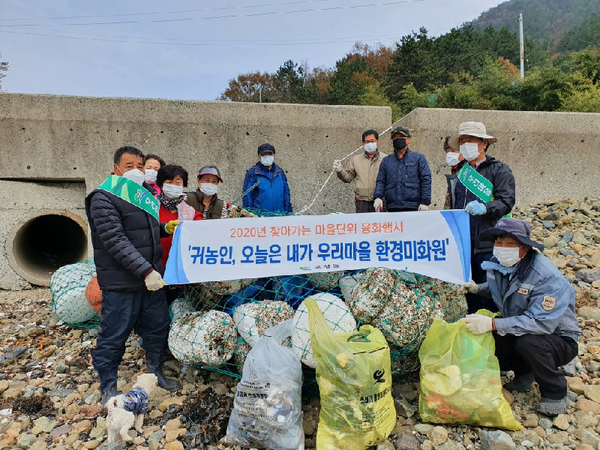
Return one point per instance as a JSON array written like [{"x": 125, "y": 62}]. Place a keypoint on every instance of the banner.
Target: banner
[{"x": 432, "y": 243}]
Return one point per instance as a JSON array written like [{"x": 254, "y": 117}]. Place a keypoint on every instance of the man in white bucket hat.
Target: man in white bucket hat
[{"x": 485, "y": 188}]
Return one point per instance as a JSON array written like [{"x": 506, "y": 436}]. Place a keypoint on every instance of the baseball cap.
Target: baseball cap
[
  {"x": 266, "y": 148},
  {"x": 210, "y": 170},
  {"x": 400, "y": 130}
]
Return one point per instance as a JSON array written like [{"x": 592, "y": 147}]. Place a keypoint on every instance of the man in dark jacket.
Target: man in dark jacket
[
  {"x": 267, "y": 184},
  {"x": 404, "y": 177},
  {"x": 126, "y": 232},
  {"x": 485, "y": 188}
]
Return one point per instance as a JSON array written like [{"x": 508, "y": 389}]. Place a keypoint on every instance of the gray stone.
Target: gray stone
[
  {"x": 546, "y": 424},
  {"x": 589, "y": 312},
  {"x": 588, "y": 437},
  {"x": 568, "y": 236},
  {"x": 385, "y": 445},
  {"x": 407, "y": 441},
  {"x": 548, "y": 224},
  {"x": 567, "y": 252},
  {"x": 550, "y": 242},
  {"x": 589, "y": 275},
  {"x": 497, "y": 440},
  {"x": 553, "y": 216},
  {"x": 61, "y": 368},
  {"x": 26, "y": 440}
]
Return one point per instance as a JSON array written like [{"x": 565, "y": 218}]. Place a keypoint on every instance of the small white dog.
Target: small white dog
[{"x": 128, "y": 409}]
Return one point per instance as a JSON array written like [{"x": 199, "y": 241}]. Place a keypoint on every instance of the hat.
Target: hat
[
  {"x": 210, "y": 170},
  {"x": 476, "y": 129},
  {"x": 266, "y": 148},
  {"x": 518, "y": 229},
  {"x": 400, "y": 130}
]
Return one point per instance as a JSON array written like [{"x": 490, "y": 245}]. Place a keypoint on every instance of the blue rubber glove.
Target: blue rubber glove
[{"x": 475, "y": 208}]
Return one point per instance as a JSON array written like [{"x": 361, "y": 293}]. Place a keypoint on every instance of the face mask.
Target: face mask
[
  {"x": 370, "y": 147},
  {"x": 267, "y": 160},
  {"x": 209, "y": 188},
  {"x": 399, "y": 144},
  {"x": 470, "y": 150},
  {"x": 172, "y": 190},
  {"x": 507, "y": 256},
  {"x": 135, "y": 175},
  {"x": 452, "y": 158},
  {"x": 151, "y": 176}
]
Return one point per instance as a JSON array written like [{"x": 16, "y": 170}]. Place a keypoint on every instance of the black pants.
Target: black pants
[
  {"x": 364, "y": 206},
  {"x": 146, "y": 312},
  {"x": 476, "y": 302},
  {"x": 540, "y": 354}
]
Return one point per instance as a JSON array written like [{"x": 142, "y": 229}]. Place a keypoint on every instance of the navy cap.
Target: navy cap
[
  {"x": 519, "y": 229},
  {"x": 266, "y": 148}
]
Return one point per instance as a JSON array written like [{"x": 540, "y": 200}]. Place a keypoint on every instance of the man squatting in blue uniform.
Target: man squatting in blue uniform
[{"x": 538, "y": 331}]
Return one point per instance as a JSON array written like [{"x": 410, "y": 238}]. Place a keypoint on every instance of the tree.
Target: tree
[
  {"x": 249, "y": 87},
  {"x": 584, "y": 96},
  {"x": 3, "y": 68}
]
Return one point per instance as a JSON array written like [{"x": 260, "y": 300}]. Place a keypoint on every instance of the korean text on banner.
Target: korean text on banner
[{"x": 431, "y": 243}]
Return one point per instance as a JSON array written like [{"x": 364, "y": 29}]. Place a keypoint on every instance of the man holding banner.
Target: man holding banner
[
  {"x": 126, "y": 232},
  {"x": 486, "y": 190}
]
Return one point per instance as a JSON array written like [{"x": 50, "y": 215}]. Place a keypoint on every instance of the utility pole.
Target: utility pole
[
  {"x": 522, "y": 45},
  {"x": 260, "y": 93}
]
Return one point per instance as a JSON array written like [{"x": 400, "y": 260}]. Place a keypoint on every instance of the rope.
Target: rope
[{"x": 309, "y": 206}]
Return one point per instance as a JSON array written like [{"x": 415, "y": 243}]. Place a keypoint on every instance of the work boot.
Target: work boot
[
  {"x": 551, "y": 407},
  {"x": 154, "y": 361},
  {"x": 108, "y": 385},
  {"x": 520, "y": 383}
]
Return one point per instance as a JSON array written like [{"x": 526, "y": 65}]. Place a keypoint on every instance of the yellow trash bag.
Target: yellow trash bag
[
  {"x": 460, "y": 378},
  {"x": 355, "y": 381}
]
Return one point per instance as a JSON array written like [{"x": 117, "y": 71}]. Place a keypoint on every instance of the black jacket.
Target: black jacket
[
  {"x": 126, "y": 242},
  {"x": 501, "y": 204}
]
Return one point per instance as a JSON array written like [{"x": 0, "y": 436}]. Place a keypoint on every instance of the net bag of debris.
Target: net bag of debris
[
  {"x": 267, "y": 410},
  {"x": 355, "y": 382},
  {"x": 460, "y": 378},
  {"x": 68, "y": 288}
]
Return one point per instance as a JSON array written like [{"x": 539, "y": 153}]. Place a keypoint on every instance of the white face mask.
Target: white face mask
[
  {"x": 370, "y": 147},
  {"x": 470, "y": 150},
  {"x": 452, "y": 158},
  {"x": 135, "y": 175},
  {"x": 172, "y": 191},
  {"x": 267, "y": 160},
  {"x": 151, "y": 176},
  {"x": 209, "y": 188},
  {"x": 507, "y": 256}
]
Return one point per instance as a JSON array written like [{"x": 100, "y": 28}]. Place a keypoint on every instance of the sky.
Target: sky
[{"x": 189, "y": 50}]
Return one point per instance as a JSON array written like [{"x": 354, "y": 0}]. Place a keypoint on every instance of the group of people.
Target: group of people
[{"x": 133, "y": 215}]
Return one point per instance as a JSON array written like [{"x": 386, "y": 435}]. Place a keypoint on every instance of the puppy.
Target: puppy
[{"x": 128, "y": 409}]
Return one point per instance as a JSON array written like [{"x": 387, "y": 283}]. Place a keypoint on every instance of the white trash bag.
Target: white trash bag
[{"x": 267, "y": 409}]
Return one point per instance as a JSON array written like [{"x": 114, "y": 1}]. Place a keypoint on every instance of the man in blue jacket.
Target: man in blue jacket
[
  {"x": 538, "y": 330},
  {"x": 267, "y": 184},
  {"x": 404, "y": 177},
  {"x": 126, "y": 232}
]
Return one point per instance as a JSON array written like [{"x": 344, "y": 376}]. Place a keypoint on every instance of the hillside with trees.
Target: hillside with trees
[{"x": 464, "y": 68}]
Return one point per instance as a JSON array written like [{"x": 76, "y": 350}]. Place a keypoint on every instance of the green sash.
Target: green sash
[
  {"x": 476, "y": 183},
  {"x": 132, "y": 193}
]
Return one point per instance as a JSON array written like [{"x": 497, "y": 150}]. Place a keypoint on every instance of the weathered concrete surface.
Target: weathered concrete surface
[
  {"x": 58, "y": 138},
  {"x": 20, "y": 202},
  {"x": 552, "y": 155}
]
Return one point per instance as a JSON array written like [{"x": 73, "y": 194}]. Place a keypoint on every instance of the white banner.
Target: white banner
[{"x": 432, "y": 243}]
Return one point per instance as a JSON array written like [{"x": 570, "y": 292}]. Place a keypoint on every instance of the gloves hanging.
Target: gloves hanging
[
  {"x": 378, "y": 204},
  {"x": 154, "y": 281}
]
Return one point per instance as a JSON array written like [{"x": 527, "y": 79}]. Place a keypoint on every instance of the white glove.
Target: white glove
[
  {"x": 478, "y": 324},
  {"x": 423, "y": 208},
  {"x": 378, "y": 204},
  {"x": 471, "y": 287},
  {"x": 337, "y": 165},
  {"x": 154, "y": 281}
]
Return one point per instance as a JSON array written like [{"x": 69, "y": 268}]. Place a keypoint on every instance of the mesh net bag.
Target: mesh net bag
[
  {"x": 215, "y": 324},
  {"x": 70, "y": 303}
]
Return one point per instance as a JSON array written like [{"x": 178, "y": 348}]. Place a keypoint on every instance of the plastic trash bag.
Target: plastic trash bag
[
  {"x": 460, "y": 378},
  {"x": 355, "y": 381},
  {"x": 267, "y": 411}
]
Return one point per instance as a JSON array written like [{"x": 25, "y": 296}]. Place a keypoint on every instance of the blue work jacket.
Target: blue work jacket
[
  {"x": 272, "y": 193},
  {"x": 536, "y": 299}
]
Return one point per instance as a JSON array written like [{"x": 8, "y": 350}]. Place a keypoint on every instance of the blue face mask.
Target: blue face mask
[{"x": 267, "y": 160}]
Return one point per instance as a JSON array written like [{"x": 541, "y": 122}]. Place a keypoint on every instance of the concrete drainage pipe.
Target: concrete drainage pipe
[{"x": 45, "y": 241}]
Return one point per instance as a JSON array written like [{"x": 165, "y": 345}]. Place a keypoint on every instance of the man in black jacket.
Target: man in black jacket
[
  {"x": 485, "y": 188},
  {"x": 123, "y": 218}
]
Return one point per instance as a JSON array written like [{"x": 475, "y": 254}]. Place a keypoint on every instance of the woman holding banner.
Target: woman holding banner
[{"x": 485, "y": 188}]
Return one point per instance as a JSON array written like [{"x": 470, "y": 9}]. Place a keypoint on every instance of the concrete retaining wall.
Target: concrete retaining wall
[{"x": 54, "y": 149}]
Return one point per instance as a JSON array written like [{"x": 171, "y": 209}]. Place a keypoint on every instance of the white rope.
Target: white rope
[{"x": 308, "y": 207}]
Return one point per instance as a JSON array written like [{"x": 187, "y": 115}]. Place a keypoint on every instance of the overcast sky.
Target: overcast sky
[{"x": 184, "y": 49}]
